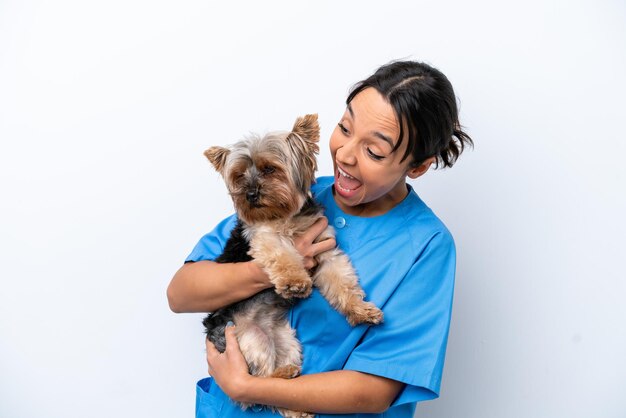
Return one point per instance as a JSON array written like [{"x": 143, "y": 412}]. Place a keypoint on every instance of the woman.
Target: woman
[{"x": 397, "y": 123}]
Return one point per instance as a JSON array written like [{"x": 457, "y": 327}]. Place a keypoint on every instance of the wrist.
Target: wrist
[
  {"x": 258, "y": 274},
  {"x": 242, "y": 390}
]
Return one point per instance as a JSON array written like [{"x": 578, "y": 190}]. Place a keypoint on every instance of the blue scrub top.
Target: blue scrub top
[{"x": 405, "y": 260}]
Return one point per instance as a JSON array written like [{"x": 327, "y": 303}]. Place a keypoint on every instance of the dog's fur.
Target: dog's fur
[{"x": 268, "y": 179}]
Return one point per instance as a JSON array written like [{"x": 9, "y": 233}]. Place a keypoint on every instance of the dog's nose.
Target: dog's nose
[{"x": 252, "y": 196}]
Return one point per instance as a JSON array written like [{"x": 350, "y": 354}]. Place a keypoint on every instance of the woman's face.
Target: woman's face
[{"x": 369, "y": 178}]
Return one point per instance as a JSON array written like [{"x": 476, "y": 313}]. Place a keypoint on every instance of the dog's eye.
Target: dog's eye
[{"x": 268, "y": 169}]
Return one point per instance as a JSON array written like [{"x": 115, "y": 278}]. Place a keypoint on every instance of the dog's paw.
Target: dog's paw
[
  {"x": 287, "y": 413},
  {"x": 287, "y": 372},
  {"x": 365, "y": 313},
  {"x": 244, "y": 405},
  {"x": 295, "y": 288}
]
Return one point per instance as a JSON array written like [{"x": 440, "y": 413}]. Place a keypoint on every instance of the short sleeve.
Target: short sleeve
[
  {"x": 212, "y": 244},
  {"x": 410, "y": 344}
]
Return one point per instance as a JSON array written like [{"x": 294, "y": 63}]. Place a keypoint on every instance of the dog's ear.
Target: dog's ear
[
  {"x": 307, "y": 128},
  {"x": 217, "y": 157},
  {"x": 303, "y": 140}
]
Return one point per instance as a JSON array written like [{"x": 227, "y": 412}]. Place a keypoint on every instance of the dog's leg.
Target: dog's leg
[
  {"x": 287, "y": 413},
  {"x": 288, "y": 362},
  {"x": 338, "y": 283},
  {"x": 282, "y": 263},
  {"x": 288, "y": 352},
  {"x": 257, "y": 346}
]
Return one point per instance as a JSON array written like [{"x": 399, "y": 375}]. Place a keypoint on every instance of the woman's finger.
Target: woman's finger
[
  {"x": 314, "y": 230},
  {"x": 211, "y": 354},
  {"x": 211, "y": 351},
  {"x": 320, "y": 247},
  {"x": 232, "y": 345}
]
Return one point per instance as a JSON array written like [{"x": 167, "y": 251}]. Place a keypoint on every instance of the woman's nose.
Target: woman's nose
[{"x": 346, "y": 153}]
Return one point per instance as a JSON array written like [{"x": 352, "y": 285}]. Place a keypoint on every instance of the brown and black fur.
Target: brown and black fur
[
  {"x": 269, "y": 180},
  {"x": 236, "y": 251}
]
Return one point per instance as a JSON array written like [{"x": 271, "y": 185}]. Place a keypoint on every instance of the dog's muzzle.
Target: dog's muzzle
[{"x": 252, "y": 196}]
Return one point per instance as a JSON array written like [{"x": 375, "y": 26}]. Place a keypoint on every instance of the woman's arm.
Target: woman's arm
[
  {"x": 335, "y": 392},
  {"x": 206, "y": 286}
]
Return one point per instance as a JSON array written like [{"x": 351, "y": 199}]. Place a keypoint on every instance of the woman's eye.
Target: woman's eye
[
  {"x": 373, "y": 155},
  {"x": 342, "y": 128}
]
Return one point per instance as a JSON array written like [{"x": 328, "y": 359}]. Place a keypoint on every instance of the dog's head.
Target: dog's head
[{"x": 269, "y": 177}]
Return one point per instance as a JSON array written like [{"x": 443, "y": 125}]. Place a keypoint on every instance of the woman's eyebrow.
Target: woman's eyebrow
[
  {"x": 384, "y": 138},
  {"x": 375, "y": 133},
  {"x": 350, "y": 110}
]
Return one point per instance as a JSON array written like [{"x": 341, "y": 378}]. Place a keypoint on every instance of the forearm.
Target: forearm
[
  {"x": 206, "y": 286},
  {"x": 336, "y": 392}
]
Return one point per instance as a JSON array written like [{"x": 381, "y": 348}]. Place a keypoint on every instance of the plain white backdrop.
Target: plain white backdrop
[{"x": 106, "y": 107}]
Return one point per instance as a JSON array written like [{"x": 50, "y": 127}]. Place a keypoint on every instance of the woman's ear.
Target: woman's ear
[{"x": 415, "y": 172}]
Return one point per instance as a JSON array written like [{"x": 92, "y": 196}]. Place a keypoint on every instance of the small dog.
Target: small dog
[{"x": 269, "y": 179}]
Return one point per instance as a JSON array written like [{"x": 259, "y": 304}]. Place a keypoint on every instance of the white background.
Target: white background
[{"x": 106, "y": 107}]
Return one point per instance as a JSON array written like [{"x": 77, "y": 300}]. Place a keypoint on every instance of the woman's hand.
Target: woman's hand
[
  {"x": 307, "y": 247},
  {"x": 229, "y": 369}
]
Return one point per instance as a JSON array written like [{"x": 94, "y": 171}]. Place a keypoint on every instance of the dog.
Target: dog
[{"x": 269, "y": 180}]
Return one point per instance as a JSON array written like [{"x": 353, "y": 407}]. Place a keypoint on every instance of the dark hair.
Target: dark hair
[{"x": 424, "y": 103}]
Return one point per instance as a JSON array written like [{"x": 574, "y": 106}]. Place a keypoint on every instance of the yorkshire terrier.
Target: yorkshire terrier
[{"x": 269, "y": 179}]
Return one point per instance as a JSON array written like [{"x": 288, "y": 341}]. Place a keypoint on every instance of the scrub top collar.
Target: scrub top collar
[{"x": 389, "y": 221}]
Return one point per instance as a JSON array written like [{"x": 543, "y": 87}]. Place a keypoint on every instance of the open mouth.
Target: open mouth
[{"x": 345, "y": 184}]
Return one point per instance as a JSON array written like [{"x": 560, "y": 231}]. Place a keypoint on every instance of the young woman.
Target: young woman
[{"x": 397, "y": 123}]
